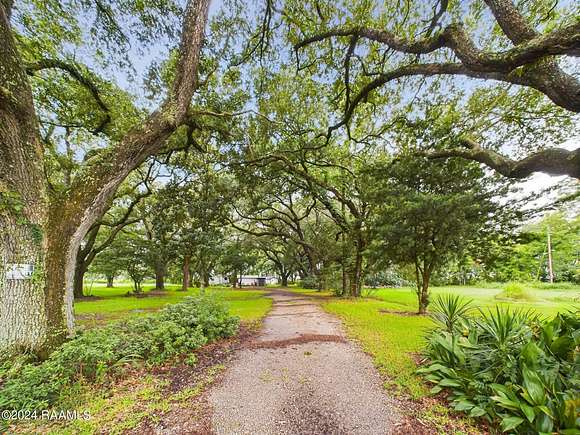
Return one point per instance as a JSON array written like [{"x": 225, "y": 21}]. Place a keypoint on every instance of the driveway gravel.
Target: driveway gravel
[{"x": 302, "y": 376}]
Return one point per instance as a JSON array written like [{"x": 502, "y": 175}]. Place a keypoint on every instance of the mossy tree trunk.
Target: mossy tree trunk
[
  {"x": 43, "y": 233},
  {"x": 24, "y": 214}
]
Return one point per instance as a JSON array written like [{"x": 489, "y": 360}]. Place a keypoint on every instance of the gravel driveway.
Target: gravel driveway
[{"x": 302, "y": 376}]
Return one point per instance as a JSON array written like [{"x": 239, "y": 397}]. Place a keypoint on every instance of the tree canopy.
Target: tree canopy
[{"x": 315, "y": 141}]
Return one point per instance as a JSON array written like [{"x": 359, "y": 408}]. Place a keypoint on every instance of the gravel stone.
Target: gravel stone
[{"x": 302, "y": 376}]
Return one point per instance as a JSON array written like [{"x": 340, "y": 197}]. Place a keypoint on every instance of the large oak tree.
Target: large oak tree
[{"x": 43, "y": 228}]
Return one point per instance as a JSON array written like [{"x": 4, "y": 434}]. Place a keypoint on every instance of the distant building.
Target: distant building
[
  {"x": 219, "y": 280},
  {"x": 257, "y": 280},
  {"x": 246, "y": 280}
]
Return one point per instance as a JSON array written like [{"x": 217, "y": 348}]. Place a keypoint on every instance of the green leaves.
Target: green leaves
[
  {"x": 533, "y": 390},
  {"x": 449, "y": 309},
  {"x": 94, "y": 353},
  {"x": 510, "y": 423},
  {"x": 515, "y": 369}
]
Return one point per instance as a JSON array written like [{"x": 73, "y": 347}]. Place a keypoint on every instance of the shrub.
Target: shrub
[
  {"x": 510, "y": 367},
  {"x": 308, "y": 282},
  {"x": 93, "y": 354},
  {"x": 516, "y": 291},
  {"x": 368, "y": 292}
]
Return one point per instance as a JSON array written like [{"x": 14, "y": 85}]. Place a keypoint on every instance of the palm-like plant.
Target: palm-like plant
[
  {"x": 512, "y": 367},
  {"x": 503, "y": 326},
  {"x": 449, "y": 310}
]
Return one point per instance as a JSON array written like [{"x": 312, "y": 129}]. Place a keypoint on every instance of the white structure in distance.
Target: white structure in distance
[{"x": 246, "y": 280}]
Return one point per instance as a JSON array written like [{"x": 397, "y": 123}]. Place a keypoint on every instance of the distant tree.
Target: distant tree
[
  {"x": 160, "y": 230},
  {"x": 128, "y": 253},
  {"x": 120, "y": 215},
  {"x": 106, "y": 264},
  {"x": 429, "y": 213},
  {"x": 237, "y": 258},
  {"x": 527, "y": 260}
]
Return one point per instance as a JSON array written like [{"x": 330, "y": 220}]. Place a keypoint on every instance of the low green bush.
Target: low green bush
[
  {"x": 95, "y": 353},
  {"x": 515, "y": 291},
  {"x": 511, "y": 367},
  {"x": 308, "y": 282}
]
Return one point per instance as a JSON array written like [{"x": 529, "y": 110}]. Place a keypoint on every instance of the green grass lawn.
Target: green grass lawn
[
  {"x": 546, "y": 300},
  {"x": 113, "y": 303}
]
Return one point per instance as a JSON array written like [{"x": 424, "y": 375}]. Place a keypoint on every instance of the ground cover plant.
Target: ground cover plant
[
  {"x": 96, "y": 353},
  {"x": 508, "y": 366},
  {"x": 513, "y": 290}
]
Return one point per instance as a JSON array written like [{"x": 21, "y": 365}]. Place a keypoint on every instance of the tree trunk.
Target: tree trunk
[
  {"x": 423, "y": 291},
  {"x": 185, "y": 282},
  {"x": 203, "y": 275},
  {"x": 79, "y": 279},
  {"x": 39, "y": 240},
  {"x": 160, "y": 270},
  {"x": 110, "y": 279},
  {"x": 355, "y": 275},
  {"x": 31, "y": 309},
  {"x": 285, "y": 279}
]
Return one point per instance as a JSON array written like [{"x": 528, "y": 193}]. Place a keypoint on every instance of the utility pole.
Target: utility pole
[{"x": 550, "y": 268}]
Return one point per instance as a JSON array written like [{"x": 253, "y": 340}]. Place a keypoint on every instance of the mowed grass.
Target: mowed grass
[
  {"x": 113, "y": 303},
  {"x": 386, "y": 326},
  {"x": 548, "y": 300}
]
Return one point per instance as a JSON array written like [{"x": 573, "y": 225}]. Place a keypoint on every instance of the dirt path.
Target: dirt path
[{"x": 302, "y": 376}]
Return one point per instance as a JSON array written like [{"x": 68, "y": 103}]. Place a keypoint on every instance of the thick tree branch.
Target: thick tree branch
[
  {"x": 553, "y": 161},
  {"x": 75, "y": 73},
  {"x": 425, "y": 70},
  {"x": 561, "y": 41},
  {"x": 532, "y": 50},
  {"x": 100, "y": 176}
]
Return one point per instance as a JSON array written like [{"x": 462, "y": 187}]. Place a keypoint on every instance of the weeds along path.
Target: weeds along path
[{"x": 302, "y": 375}]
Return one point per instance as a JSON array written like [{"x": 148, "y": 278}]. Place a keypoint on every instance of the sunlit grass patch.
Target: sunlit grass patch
[
  {"x": 548, "y": 301},
  {"x": 515, "y": 291}
]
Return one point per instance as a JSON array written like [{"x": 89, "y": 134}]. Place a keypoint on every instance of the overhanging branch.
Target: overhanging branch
[
  {"x": 76, "y": 74},
  {"x": 531, "y": 49},
  {"x": 553, "y": 161}
]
